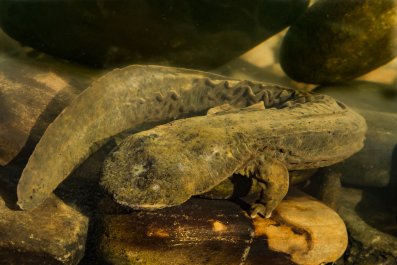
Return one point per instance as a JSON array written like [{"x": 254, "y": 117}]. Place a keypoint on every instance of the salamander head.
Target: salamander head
[{"x": 141, "y": 178}]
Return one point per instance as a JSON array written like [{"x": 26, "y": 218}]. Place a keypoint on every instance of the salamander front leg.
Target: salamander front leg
[{"x": 273, "y": 178}]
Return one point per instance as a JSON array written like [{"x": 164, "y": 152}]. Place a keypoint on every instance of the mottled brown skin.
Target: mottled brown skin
[
  {"x": 168, "y": 164},
  {"x": 131, "y": 98}
]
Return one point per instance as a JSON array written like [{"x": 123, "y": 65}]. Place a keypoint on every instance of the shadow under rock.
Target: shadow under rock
[
  {"x": 9, "y": 176},
  {"x": 393, "y": 178},
  {"x": 82, "y": 191},
  {"x": 378, "y": 206},
  {"x": 378, "y": 211},
  {"x": 390, "y": 93}
]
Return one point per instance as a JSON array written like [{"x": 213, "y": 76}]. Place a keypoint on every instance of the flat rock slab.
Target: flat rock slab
[
  {"x": 198, "y": 232},
  {"x": 301, "y": 231},
  {"x": 32, "y": 94},
  {"x": 54, "y": 233}
]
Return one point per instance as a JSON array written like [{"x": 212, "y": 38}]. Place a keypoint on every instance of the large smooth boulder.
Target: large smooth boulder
[
  {"x": 375, "y": 164},
  {"x": 194, "y": 33},
  {"x": 336, "y": 40}
]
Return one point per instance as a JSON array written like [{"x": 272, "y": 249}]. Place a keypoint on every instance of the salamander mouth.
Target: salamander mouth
[
  {"x": 341, "y": 105},
  {"x": 145, "y": 207}
]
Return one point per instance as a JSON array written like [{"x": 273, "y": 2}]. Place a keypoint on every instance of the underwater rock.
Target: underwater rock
[
  {"x": 32, "y": 94},
  {"x": 370, "y": 218},
  {"x": 54, "y": 233},
  {"x": 197, "y": 232},
  {"x": 303, "y": 228},
  {"x": 375, "y": 164},
  {"x": 136, "y": 98},
  {"x": 335, "y": 41},
  {"x": 302, "y": 231},
  {"x": 197, "y": 33}
]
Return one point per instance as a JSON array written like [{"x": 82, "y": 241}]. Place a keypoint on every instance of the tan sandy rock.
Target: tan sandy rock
[{"x": 305, "y": 229}]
